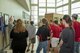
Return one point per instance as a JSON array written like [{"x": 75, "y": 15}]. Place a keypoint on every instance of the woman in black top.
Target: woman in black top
[
  {"x": 67, "y": 36},
  {"x": 18, "y": 36}
]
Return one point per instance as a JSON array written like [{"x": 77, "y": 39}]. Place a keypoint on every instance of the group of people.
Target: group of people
[
  {"x": 62, "y": 38},
  {"x": 19, "y": 34}
]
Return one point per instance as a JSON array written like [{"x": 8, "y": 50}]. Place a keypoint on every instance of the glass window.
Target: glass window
[
  {"x": 78, "y": 17},
  {"x": 34, "y": 8},
  {"x": 34, "y": 18},
  {"x": 59, "y": 3},
  {"x": 49, "y": 10},
  {"x": 65, "y": 1},
  {"x": 76, "y": 11},
  {"x": 60, "y": 12},
  {"x": 41, "y": 14},
  {"x": 76, "y": 5},
  {"x": 40, "y": 17},
  {"x": 72, "y": 0},
  {"x": 65, "y": 7},
  {"x": 65, "y": 12},
  {"x": 34, "y": 12},
  {"x": 42, "y": 11},
  {"x": 50, "y": 3},
  {"x": 42, "y": 3},
  {"x": 79, "y": 14},
  {"x": 34, "y": 1},
  {"x": 59, "y": 9}
]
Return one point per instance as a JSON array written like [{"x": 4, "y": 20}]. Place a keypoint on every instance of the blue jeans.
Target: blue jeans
[
  {"x": 76, "y": 47},
  {"x": 42, "y": 45}
]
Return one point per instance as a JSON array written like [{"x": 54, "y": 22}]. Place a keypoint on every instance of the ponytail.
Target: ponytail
[
  {"x": 68, "y": 20},
  {"x": 44, "y": 21}
]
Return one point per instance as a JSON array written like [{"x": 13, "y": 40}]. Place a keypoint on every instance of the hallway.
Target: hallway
[{"x": 36, "y": 10}]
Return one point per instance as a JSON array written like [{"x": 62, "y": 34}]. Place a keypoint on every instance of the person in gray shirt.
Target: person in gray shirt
[
  {"x": 31, "y": 30},
  {"x": 67, "y": 36}
]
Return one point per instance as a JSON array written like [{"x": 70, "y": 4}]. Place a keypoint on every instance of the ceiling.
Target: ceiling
[{"x": 24, "y": 4}]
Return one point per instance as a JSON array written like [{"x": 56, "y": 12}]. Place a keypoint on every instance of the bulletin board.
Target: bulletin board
[{"x": 26, "y": 16}]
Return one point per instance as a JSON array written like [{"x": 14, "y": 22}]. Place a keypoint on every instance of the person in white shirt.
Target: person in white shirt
[{"x": 31, "y": 30}]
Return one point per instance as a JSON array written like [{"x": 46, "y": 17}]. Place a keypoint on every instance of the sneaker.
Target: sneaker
[
  {"x": 28, "y": 50},
  {"x": 32, "y": 51}
]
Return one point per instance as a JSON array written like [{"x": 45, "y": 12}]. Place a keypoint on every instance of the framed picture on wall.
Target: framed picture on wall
[
  {"x": 26, "y": 16},
  {"x": 6, "y": 18},
  {"x": 0, "y": 23},
  {"x": 0, "y": 13},
  {"x": 23, "y": 13}
]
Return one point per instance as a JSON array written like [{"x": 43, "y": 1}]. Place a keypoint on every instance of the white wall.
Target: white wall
[{"x": 11, "y": 7}]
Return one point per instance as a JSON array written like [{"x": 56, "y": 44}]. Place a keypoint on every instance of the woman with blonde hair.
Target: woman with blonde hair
[{"x": 18, "y": 36}]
